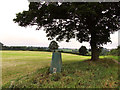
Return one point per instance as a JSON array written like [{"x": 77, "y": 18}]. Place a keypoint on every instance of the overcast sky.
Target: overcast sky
[{"x": 13, "y": 35}]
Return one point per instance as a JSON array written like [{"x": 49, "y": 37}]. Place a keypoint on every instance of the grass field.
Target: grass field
[
  {"x": 17, "y": 63},
  {"x": 30, "y": 69},
  {"x": 114, "y": 57}
]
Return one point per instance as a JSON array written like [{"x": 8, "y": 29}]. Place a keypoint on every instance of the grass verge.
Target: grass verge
[{"x": 77, "y": 74}]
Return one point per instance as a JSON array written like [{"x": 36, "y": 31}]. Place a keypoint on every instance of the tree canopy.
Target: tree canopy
[
  {"x": 91, "y": 22},
  {"x": 83, "y": 50},
  {"x": 1, "y": 44},
  {"x": 53, "y": 45}
]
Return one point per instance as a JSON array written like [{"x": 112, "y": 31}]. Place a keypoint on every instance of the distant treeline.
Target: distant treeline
[
  {"x": 63, "y": 50},
  {"x": 25, "y": 48},
  {"x": 30, "y": 48},
  {"x": 71, "y": 51},
  {"x": 114, "y": 52}
]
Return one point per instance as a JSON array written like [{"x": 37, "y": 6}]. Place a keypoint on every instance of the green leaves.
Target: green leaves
[
  {"x": 83, "y": 50},
  {"x": 83, "y": 19},
  {"x": 53, "y": 45},
  {"x": 87, "y": 17},
  {"x": 87, "y": 22}
]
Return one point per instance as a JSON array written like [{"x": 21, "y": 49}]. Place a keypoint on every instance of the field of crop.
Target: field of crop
[{"x": 19, "y": 63}]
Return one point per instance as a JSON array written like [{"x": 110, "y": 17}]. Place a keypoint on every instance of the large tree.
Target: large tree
[
  {"x": 88, "y": 22},
  {"x": 53, "y": 45},
  {"x": 83, "y": 50}
]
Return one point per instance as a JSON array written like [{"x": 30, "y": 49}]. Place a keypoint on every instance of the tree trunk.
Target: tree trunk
[
  {"x": 94, "y": 52},
  {"x": 94, "y": 49}
]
